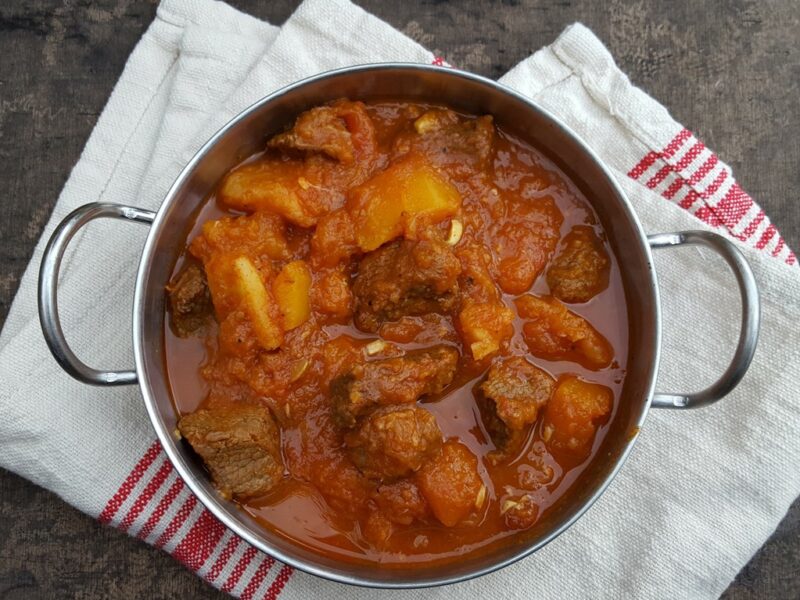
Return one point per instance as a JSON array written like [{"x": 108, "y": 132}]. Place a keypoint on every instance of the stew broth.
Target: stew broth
[{"x": 311, "y": 504}]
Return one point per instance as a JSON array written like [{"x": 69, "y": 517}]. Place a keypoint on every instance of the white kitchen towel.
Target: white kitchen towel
[{"x": 700, "y": 493}]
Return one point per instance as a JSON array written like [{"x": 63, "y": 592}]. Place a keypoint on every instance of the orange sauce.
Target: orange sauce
[{"x": 298, "y": 509}]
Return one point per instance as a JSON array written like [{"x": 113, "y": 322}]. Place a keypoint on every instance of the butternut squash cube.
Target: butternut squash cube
[
  {"x": 261, "y": 233},
  {"x": 553, "y": 332},
  {"x": 291, "y": 288},
  {"x": 451, "y": 483},
  {"x": 575, "y": 412},
  {"x": 485, "y": 326},
  {"x": 268, "y": 185},
  {"x": 376, "y": 215},
  {"x": 257, "y": 302},
  {"x": 400, "y": 201},
  {"x": 427, "y": 199}
]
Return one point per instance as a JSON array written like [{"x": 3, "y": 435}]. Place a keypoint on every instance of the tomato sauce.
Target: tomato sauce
[{"x": 308, "y": 506}]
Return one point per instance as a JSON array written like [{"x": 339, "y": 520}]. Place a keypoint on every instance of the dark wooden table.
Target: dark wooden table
[{"x": 728, "y": 71}]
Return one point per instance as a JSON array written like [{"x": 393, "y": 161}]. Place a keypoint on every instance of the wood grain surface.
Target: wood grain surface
[{"x": 729, "y": 71}]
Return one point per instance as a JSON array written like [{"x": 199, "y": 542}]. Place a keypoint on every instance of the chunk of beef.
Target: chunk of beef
[
  {"x": 393, "y": 441},
  {"x": 398, "y": 503},
  {"x": 342, "y": 131},
  {"x": 580, "y": 269},
  {"x": 402, "y": 502},
  {"x": 399, "y": 380},
  {"x": 189, "y": 299},
  {"x": 240, "y": 446},
  {"x": 510, "y": 399},
  {"x": 554, "y": 333},
  {"x": 449, "y": 141},
  {"x": 405, "y": 278}
]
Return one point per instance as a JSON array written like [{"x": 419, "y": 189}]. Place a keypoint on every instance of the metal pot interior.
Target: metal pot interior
[{"x": 245, "y": 135}]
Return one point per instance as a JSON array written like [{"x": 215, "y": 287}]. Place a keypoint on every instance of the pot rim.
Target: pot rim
[{"x": 166, "y": 438}]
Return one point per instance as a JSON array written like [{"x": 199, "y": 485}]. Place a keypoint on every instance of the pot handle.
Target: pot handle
[
  {"x": 751, "y": 317},
  {"x": 48, "y": 290}
]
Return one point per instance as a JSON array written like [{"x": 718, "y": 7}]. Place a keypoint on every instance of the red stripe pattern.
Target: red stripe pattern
[
  {"x": 161, "y": 508},
  {"x": 690, "y": 175},
  {"x": 154, "y": 504},
  {"x": 148, "y": 493},
  {"x": 238, "y": 570},
  {"x": 127, "y": 486}
]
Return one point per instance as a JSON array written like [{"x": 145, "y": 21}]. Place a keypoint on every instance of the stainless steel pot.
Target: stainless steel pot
[{"x": 244, "y": 135}]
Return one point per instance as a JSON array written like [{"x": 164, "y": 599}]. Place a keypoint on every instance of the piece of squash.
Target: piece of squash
[
  {"x": 331, "y": 293},
  {"x": 375, "y": 213},
  {"x": 261, "y": 233},
  {"x": 270, "y": 185},
  {"x": 451, "y": 483},
  {"x": 291, "y": 288},
  {"x": 257, "y": 302},
  {"x": 484, "y": 326},
  {"x": 575, "y": 412},
  {"x": 553, "y": 332},
  {"x": 400, "y": 200},
  {"x": 428, "y": 198}
]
